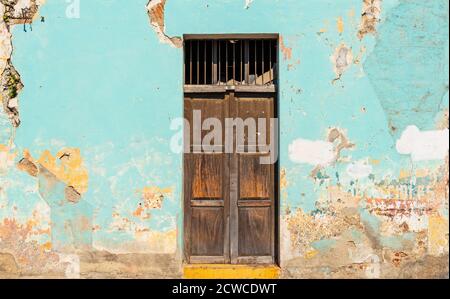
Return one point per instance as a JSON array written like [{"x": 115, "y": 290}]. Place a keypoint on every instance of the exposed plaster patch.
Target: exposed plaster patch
[
  {"x": 406, "y": 231},
  {"x": 145, "y": 240},
  {"x": 287, "y": 52},
  {"x": 341, "y": 60},
  {"x": 5, "y": 40},
  {"x": 152, "y": 198},
  {"x": 397, "y": 207},
  {"x": 31, "y": 256},
  {"x": 340, "y": 25},
  {"x": 27, "y": 165},
  {"x": 72, "y": 262},
  {"x": 248, "y": 3},
  {"x": 335, "y": 216},
  {"x": 71, "y": 194},
  {"x": 313, "y": 152},
  {"x": 373, "y": 269},
  {"x": 318, "y": 152},
  {"x": 6, "y": 159},
  {"x": 21, "y": 11},
  {"x": 283, "y": 183},
  {"x": 359, "y": 169},
  {"x": 340, "y": 141},
  {"x": 370, "y": 16},
  {"x": 11, "y": 85},
  {"x": 437, "y": 235},
  {"x": 8, "y": 265},
  {"x": 71, "y": 217},
  {"x": 66, "y": 166},
  {"x": 423, "y": 145},
  {"x": 283, "y": 179},
  {"x": 12, "y": 12},
  {"x": 305, "y": 229},
  {"x": 155, "y": 10},
  {"x": 443, "y": 120},
  {"x": 358, "y": 58}
]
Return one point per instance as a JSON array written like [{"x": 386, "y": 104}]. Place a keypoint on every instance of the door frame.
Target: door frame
[{"x": 223, "y": 88}]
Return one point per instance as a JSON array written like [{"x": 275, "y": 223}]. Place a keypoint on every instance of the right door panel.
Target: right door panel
[{"x": 255, "y": 204}]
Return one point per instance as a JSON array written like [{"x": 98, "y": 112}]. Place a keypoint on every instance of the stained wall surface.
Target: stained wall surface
[{"x": 90, "y": 188}]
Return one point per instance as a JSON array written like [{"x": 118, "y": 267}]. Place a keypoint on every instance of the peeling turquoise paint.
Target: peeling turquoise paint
[
  {"x": 323, "y": 245},
  {"x": 403, "y": 64},
  {"x": 105, "y": 84}
]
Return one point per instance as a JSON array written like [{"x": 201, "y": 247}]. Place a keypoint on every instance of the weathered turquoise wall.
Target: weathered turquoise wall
[{"x": 89, "y": 186}]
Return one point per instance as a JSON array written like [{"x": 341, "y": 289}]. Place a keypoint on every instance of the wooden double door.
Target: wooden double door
[{"x": 230, "y": 206}]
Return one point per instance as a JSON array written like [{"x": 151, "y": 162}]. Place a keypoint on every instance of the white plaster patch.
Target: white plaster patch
[
  {"x": 373, "y": 268},
  {"x": 73, "y": 265},
  {"x": 423, "y": 145},
  {"x": 314, "y": 152},
  {"x": 414, "y": 221},
  {"x": 248, "y": 3},
  {"x": 6, "y": 159},
  {"x": 341, "y": 59},
  {"x": 359, "y": 169},
  {"x": 21, "y": 4}
]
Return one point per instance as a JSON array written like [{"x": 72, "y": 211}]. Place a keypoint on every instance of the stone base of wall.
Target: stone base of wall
[
  {"x": 427, "y": 267},
  {"x": 96, "y": 264}
]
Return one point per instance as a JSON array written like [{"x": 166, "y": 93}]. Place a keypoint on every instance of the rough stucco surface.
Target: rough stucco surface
[{"x": 89, "y": 187}]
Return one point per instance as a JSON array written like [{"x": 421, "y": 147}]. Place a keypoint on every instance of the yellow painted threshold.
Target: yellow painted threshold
[{"x": 227, "y": 271}]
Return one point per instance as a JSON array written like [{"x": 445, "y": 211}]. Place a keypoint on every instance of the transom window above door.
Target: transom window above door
[{"x": 218, "y": 60}]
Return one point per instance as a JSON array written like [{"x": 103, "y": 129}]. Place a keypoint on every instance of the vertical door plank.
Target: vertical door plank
[{"x": 234, "y": 186}]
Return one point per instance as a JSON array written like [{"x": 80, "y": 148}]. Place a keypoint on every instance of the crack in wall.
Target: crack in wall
[{"x": 12, "y": 12}]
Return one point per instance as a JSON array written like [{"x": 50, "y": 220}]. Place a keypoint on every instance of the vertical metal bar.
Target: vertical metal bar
[
  {"x": 256, "y": 64},
  {"x": 213, "y": 79},
  {"x": 247, "y": 62},
  {"x": 198, "y": 62},
  {"x": 240, "y": 60},
  {"x": 234, "y": 63},
  {"x": 270, "y": 60},
  {"x": 219, "y": 44},
  {"x": 262, "y": 61},
  {"x": 190, "y": 62},
  {"x": 204, "y": 63},
  {"x": 226, "y": 62},
  {"x": 275, "y": 61},
  {"x": 215, "y": 62}
]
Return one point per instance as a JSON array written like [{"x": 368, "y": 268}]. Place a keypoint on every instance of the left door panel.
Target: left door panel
[{"x": 206, "y": 191}]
